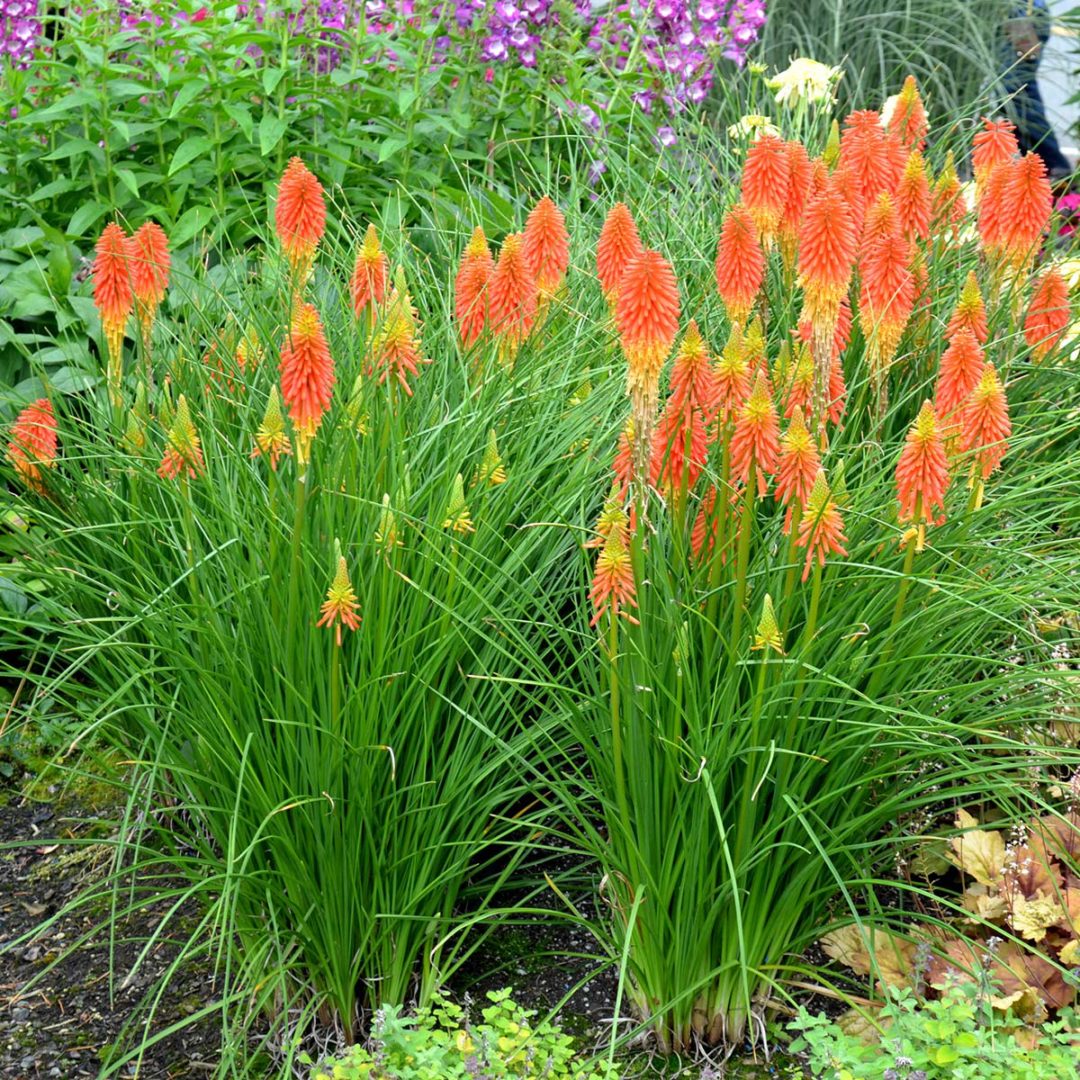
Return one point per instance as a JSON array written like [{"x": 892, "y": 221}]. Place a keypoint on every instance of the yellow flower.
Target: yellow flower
[
  {"x": 386, "y": 535},
  {"x": 457, "y": 510},
  {"x": 492, "y": 469},
  {"x": 271, "y": 440},
  {"x": 805, "y": 80},
  {"x": 768, "y": 634}
]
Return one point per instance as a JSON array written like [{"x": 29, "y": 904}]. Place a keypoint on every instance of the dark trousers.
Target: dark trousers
[{"x": 1028, "y": 111}]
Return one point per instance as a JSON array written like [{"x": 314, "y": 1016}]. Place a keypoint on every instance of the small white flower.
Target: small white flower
[{"x": 752, "y": 126}]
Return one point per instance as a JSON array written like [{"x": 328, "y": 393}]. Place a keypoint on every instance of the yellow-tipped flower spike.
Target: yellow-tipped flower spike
[
  {"x": 612, "y": 518},
  {"x": 768, "y": 634},
  {"x": 340, "y": 608},
  {"x": 138, "y": 422},
  {"x": 386, "y": 535},
  {"x": 271, "y": 440},
  {"x": 183, "y": 452},
  {"x": 492, "y": 469},
  {"x": 354, "y": 407},
  {"x": 457, "y": 510},
  {"x": 249, "y": 351}
]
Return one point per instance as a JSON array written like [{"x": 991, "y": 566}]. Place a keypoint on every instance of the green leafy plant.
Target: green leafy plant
[
  {"x": 955, "y": 1037},
  {"x": 444, "y": 1042}
]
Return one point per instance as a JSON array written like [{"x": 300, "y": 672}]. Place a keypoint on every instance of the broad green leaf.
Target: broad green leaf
[
  {"x": 56, "y": 187},
  {"x": 270, "y": 78},
  {"x": 271, "y": 129},
  {"x": 390, "y": 146},
  {"x": 241, "y": 116},
  {"x": 197, "y": 218},
  {"x": 187, "y": 151},
  {"x": 86, "y": 216},
  {"x": 186, "y": 94},
  {"x": 127, "y": 178}
]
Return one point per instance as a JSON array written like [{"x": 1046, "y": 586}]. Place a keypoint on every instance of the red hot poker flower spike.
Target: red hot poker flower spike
[
  {"x": 613, "y": 587},
  {"x": 922, "y": 473},
  {"x": 307, "y": 375},
  {"x": 300, "y": 216},
  {"x": 765, "y": 183},
  {"x": 961, "y": 369},
  {"x": 149, "y": 261},
  {"x": 114, "y": 298},
  {"x": 32, "y": 446},
  {"x": 512, "y": 298},
  {"x": 740, "y": 264},
  {"x": 546, "y": 245},
  {"x": 368, "y": 282},
  {"x": 471, "y": 288},
  {"x": 984, "y": 424},
  {"x": 1049, "y": 315},
  {"x": 755, "y": 443},
  {"x": 969, "y": 313},
  {"x": 340, "y": 608},
  {"x": 821, "y": 528},
  {"x": 618, "y": 246}
]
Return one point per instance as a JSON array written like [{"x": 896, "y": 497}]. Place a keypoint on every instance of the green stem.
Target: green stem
[
  {"x": 897, "y": 615},
  {"x": 616, "y": 725},
  {"x": 743, "y": 557},
  {"x": 295, "y": 568}
]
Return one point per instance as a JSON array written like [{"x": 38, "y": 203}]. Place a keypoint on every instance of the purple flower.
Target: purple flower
[{"x": 666, "y": 137}]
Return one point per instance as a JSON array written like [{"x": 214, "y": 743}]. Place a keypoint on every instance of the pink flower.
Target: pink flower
[
  {"x": 199, "y": 15},
  {"x": 489, "y": 75}
]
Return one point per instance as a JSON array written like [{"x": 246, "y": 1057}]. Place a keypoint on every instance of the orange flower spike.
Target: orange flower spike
[
  {"x": 370, "y": 273},
  {"x": 888, "y": 293},
  {"x": 613, "y": 587},
  {"x": 272, "y": 440},
  {"x": 913, "y": 201},
  {"x": 340, "y": 608},
  {"x": 908, "y": 120},
  {"x": 821, "y": 528},
  {"x": 307, "y": 375},
  {"x": 512, "y": 297},
  {"x": 546, "y": 245},
  {"x": 863, "y": 151},
  {"x": 765, "y": 184},
  {"x": 881, "y": 223},
  {"x": 471, "y": 288},
  {"x": 969, "y": 313},
  {"x": 961, "y": 369},
  {"x": 183, "y": 456},
  {"x": 32, "y": 445},
  {"x": 396, "y": 349},
  {"x": 740, "y": 264},
  {"x": 991, "y": 147},
  {"x": 1049, "y": 315},
  {"x": 827, "y": 249},
  {"x": 984, "y": 423},
  {"x": 114, "y": 298},
  {"x": 300, "y": 216},
  {"x": 732, "y": 377},
  {"x": 993, "y": 214},
  {"x": 798, "y": 465},
  {"x": 693, "y": 380},
  {"x": 1029, "y": 200},
  {"x": 755, "y": 443},
  {"x": 947, "y": 199},
  {"x": 149, "y": 261},
  {"x": 647, "y": 318},
  {"x": 618, "y": 245},
  {"x": 800, "y": 177},
  {"x": 680, "y": 448},
  {"x": 922, "y": 473}
]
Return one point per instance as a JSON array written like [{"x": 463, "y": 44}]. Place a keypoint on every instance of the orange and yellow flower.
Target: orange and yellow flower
[
  {"x": 32, "y": 446},
  {"x": 984, "y": 423},
  {"x": 512, "y": 298},
  {"x": 471, "y": 288},
  {"x": 300, "y": 217},
  {"x": 887, "y": 296},
  {"x": 1029, "y": 203},
  {"x": 800, "y": 174},
  {"x": 922, "y": 473},
  {"x": 732, "y": 377},
  {"x": 183, "y": 455},
  {"x": 149, "y": 262},
  {"x": 114, "y": 298},
  {"x": 271, "y": 439},
  {"x": 992, "y": 146},
  {"x": 647, "y": 317},
  {"x": 618, "y": 246},
  {"x": 693, "y": 379},
  {"x": 396, "y": 349},
  {"x": 1049, "y": 315},
  {"x": 307, "y": 376},
  {"x": 766, "y": 172},
  {"x": 908, "y": 119},
  {"x": 370, "y": 273},
  {"x": 961, "y": 369},
  {"x": 947, "y": 198},
  {"x": 341, "y": 607},
  {"x": 798, "y": 466},
  {"x": 969, "y": 313},
  {"x": 821, "y": 528},
  {"x": 545, "y": 244},
  {"x": 913, "y": 201},
  {"x": 740, "y": 264},
  {"x": 613, "y": 587},
  {"x": 755, "y": 442}
]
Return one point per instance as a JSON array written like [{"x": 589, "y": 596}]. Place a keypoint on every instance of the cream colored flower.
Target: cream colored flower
[
  {"x": 805, "y": 80},
  {"x": 752, "y": 126}
]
